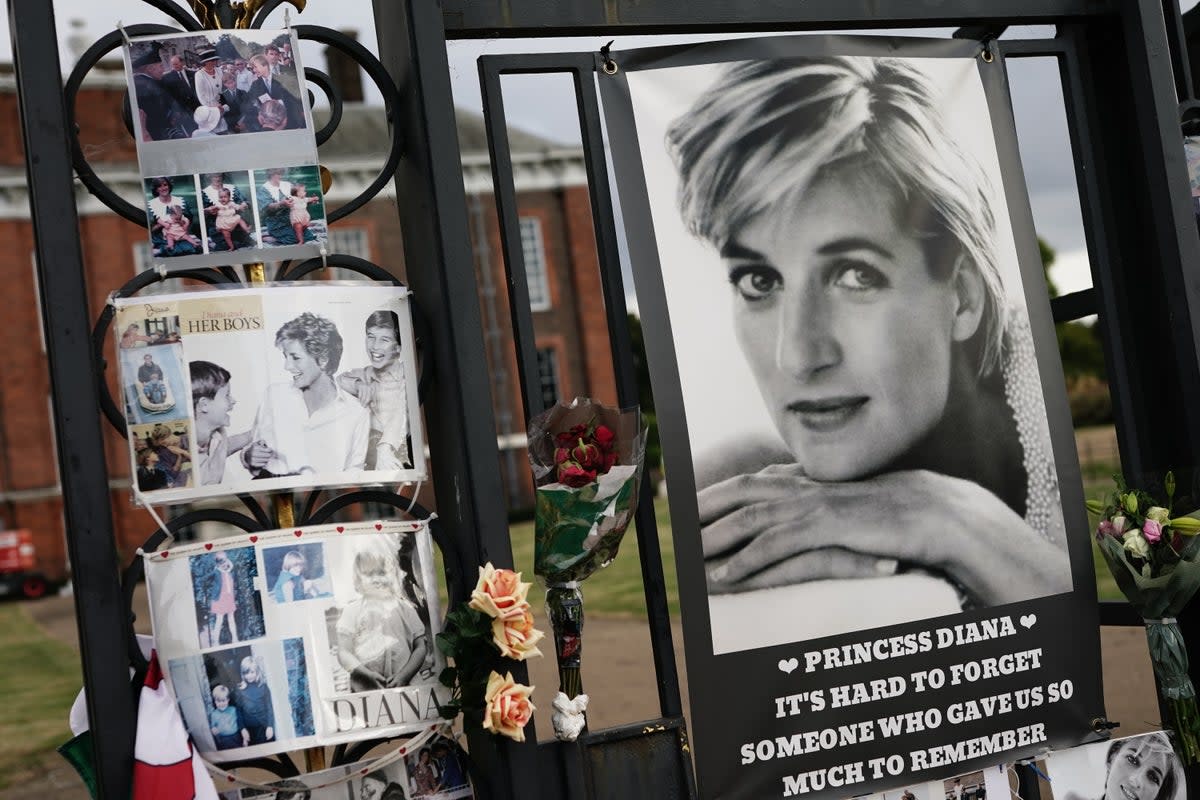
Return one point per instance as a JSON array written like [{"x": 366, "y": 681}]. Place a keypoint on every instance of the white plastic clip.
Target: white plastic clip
[
  {"x": 124, "y": 33},
  {"x": 324, "y": 257},
  {"x": 161, "y": 269}
]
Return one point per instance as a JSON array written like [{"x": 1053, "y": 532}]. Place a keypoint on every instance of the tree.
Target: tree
[{"x": 1082, "y": 356}]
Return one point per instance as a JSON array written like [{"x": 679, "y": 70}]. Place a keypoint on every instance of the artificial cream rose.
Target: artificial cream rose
[
  {"x": 506, "y": 706},
  {"x": 516, "y": 637},
  {"x": 1158, "y": 514},
  {"x": 1136, "y": 544},
  {"x": 499, "y": 593}
]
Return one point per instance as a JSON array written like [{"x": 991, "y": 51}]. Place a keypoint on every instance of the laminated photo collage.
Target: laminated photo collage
[
  {"x": 288, "y": 639},
  {"x": 226, "y": 148},
  {"x": 433, "y": 770},
  {"x": 269, "y": 389}
]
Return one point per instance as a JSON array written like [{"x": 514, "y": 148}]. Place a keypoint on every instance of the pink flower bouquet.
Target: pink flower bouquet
[{"x": 1155, "y": 559}]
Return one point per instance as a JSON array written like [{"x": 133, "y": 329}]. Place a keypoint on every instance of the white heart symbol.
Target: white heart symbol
[
  {"x": 788, "y": 665},
  {"x": 1029, "y": 620}
]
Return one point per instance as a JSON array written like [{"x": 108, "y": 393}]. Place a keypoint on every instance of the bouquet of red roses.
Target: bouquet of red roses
[
  {"x": 587, "y": 464},
  {"x": 1154, "y": 556}
]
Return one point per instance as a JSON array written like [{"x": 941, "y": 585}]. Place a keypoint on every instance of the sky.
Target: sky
[{"x": 544, "y": 105}]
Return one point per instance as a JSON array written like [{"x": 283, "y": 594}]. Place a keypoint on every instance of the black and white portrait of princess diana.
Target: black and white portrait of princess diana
[{"x": 864, "y": 407}]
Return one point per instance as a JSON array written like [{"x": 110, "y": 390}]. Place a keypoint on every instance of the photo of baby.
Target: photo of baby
[
  {"x": 290, "y": 206},
  {"x": 228, "y": 609},
  {"x": 228, "y": 211},
  {"x": 171, "y": 213}
]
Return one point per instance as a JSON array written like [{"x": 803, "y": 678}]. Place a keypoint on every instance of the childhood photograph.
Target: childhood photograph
[
  {"x": 297, "y": 572},
  {"x": 161, "y": 455},
  {"x": 379, "y": 627},
  {"x": 153, "y": 380},
  {"x": 244, "y": 701},
  {"x": 228, "y": 607},
  {"x": 859, "y": 379}
]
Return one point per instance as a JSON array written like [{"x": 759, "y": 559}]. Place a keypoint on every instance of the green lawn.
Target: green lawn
[
  {"x": 615, "y": 590},
  {"x": 39, "y": 678},
  {"x": 1097, "y": 483}
]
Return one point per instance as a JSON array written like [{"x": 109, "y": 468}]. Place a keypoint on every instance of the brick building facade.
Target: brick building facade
[{"x": 557, "y": 238}]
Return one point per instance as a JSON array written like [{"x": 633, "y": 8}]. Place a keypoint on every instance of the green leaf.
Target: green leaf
[
  {"x": 1169, "y": 484},
  {"x": 450, "y": 710},
  {"x": 1096, "y": 507},
  {"x": 448, "y": 676},
  {"x": 448, "y": 642}
]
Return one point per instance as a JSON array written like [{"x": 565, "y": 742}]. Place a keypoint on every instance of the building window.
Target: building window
[
  {"x": 547, "y": 364},
  {"x": 141, "y": 257},
  {"x": 534, "y": 255},
  {"x": 350, "y": 242}
]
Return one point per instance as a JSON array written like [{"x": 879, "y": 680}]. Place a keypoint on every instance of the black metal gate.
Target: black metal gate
[{"x": 1126, "y": 83}]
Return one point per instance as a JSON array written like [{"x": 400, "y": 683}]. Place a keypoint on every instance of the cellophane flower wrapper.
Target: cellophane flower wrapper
[
  {"x": 578, "y": 529},
  {"x": 1159, "y": 600}
]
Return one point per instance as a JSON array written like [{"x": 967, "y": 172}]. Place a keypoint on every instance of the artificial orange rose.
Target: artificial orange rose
[
  {"x": 516, "y": 638},
  {"x": 499, "y": 593},
  {"x": 506, "y": 706}
]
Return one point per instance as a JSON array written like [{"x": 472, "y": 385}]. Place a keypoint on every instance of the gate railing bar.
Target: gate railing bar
[
  {"x": 460, "y": 422},
  {"x": 1169, "y": 195},
  {"x": 1098, "y": 226},
  {"x": 470, "y": 19},
  {"x": 1033, "y": 48},
  {"x": 1177, "y": 41},
  {"x": 600, "y": 195},
  {"x": 581, "y": 66},
  {"x": 99, "y": 607},
  {"x": 504, "y": 190},
  {"x": 1075, "y": 305}
]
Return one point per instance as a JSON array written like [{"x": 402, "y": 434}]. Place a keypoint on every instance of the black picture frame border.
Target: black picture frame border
[{"x": 707, "y": 671}]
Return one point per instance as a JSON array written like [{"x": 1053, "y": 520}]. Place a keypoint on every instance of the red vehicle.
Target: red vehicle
[{"x": 18, "y": 567}]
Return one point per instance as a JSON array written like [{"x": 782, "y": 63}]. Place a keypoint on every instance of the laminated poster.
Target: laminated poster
[
  {"x": 288, "y": 639},
  {"x": 268, "y": 389},
  {"x": 884, "y": 560},
  {"x": 226, "y": 147}
]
